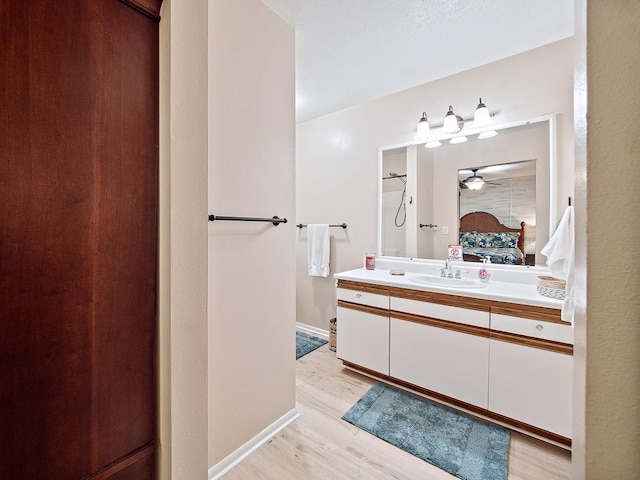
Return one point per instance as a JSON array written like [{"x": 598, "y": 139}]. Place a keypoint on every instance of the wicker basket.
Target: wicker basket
[
  {"x": 552, "y": 287},
  {"x": 333, "y": 331}
]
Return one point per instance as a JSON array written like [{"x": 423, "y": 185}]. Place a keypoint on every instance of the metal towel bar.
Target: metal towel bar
[
  {"x": 275, "y": 220},
  {"x": 342, "y": 225}
]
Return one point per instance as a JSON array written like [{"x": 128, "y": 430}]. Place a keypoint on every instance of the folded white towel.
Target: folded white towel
[
  {"x": 560, "y": 253},
  {"x": 318, "y": 250}
]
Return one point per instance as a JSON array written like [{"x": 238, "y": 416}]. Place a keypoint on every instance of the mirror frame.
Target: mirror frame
[{"x": 437, "y": 135}]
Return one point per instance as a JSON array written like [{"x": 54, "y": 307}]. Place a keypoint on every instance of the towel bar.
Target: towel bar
[
  {"x": 275, "y": 220},
  {"x": 342, "y": 225}
]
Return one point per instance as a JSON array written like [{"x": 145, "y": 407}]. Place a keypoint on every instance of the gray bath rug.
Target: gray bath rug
[
  {"x": 452, "y": 441},
  {"x": 307, "y": 343}
]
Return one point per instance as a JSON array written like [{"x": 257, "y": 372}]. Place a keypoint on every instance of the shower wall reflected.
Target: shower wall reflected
[{"x": 394, "y": 202}]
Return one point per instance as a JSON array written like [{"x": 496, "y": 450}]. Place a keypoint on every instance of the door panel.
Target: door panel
[{"x": 78, "y": 195}]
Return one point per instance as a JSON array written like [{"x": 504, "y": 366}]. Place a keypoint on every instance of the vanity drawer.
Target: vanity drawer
[
  {"x": 532, "y": 328},
  {"x": 363, "y": 298},
  {"x": 465, "y": 316}
]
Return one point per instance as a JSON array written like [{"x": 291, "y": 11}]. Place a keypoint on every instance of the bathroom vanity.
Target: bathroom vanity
[{"x": 499, "y": 351}]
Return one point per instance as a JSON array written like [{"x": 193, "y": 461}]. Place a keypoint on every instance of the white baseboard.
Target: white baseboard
[
  {"x": 233, "y": 459},
  {"x": 318, "y": 332}
]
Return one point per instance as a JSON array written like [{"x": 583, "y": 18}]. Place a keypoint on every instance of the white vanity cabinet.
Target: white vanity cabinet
[
  {"x": 440, "y": 347},
  {"x": 363, "y": 324},
  {"x": 441, "y": 359},
  {"x": 509, "y": 362},
  {"x": 531, "y": 372}
]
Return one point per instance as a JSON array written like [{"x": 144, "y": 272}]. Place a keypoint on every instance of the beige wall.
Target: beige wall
[
  {"x": 182, "y": 309},
  {"x": 336, "y": 173},
  {"x": 251, "y": 265},
  {"x": 226, "y": 309},
  {"x": 425, "y": 204},
  {"x": 608, "y": 331}
]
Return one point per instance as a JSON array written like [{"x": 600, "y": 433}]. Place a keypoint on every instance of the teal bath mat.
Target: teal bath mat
[
  {"x": 452, "y": 441},
  {"x": 307, "y": 343}
]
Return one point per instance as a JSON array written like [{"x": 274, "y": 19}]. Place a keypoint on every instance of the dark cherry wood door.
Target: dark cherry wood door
[{"x": 78, "y": 237}]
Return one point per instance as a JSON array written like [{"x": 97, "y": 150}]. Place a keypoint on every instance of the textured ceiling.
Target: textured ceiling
[{"x": 352, "y": 51}]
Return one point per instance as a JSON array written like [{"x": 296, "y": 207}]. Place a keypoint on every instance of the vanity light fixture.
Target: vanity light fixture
[
  {"x": 481, "y": 118},
  {"x": 452, "y": 122},
  {"x": 423, "y": 126},
  {"x": 456, "y": 140},
  {"x": 487, "y": 134}
]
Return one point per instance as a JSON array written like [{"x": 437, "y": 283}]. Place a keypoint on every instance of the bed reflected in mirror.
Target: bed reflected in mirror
[{"x": 497, "y": 209}]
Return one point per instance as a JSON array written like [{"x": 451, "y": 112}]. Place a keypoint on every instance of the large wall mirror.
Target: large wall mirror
[{"x": 488, "y": 194}]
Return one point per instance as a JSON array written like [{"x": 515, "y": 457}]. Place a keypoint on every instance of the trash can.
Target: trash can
[{"x": 333, "y": 325}]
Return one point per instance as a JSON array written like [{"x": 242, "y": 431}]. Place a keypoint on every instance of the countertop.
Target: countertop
[{"x": 510, "y": 291}]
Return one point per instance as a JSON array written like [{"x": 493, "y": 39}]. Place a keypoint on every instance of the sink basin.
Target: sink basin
[{"x": 447, "y": 282}]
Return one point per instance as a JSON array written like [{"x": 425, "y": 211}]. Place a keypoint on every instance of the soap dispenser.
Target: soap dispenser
[{"x": 483, "y": 273}]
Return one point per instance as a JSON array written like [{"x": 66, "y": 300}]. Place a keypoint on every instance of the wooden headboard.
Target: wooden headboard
[{"x": 485, "y": 222}]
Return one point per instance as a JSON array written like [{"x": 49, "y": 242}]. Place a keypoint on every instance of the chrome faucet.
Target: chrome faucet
[{"x": 447, "y": 270}]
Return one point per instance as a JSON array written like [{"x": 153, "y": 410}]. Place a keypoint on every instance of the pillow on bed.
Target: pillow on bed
[
  {"x": 469, "y": 239},
  {"x": 474, "y": 239},
  {"x": 498, "y": 240}
]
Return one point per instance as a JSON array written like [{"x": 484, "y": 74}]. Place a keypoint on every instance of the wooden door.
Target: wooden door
[{"x": 78, "y": 248}]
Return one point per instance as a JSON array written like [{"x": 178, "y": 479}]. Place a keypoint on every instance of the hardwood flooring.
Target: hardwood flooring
[{"x": 320, "y": 445}]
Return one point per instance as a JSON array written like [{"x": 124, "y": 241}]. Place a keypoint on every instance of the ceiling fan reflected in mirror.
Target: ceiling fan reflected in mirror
[{"x": 474, "y": 182}]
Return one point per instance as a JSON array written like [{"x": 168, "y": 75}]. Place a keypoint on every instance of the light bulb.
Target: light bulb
[
  {"x": 489, "y": 134},
  {"x": 423, "y": 126},
  {"x": 482, "y": 117},
  {"x": 452, "y": 123},
  {"x": 456, "y": 140},
  {"x": 433, "y": 144},
  {"x": 475, "y": 184}
]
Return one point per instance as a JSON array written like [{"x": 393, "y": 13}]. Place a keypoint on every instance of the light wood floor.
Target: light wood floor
[{"x": 319, "y": 445}]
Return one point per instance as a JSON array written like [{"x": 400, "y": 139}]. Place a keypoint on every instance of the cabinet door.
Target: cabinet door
[
  {"x": 363, "y": 339},
  {"x": 531, "y": 385},
  {"x": 445, "y": 361}
]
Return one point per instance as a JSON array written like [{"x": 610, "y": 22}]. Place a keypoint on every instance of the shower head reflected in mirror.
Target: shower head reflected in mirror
[{"x": 395, "y": 175}]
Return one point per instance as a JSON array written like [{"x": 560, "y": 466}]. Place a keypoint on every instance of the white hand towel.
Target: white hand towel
[
  {"x": 560, "y": 253},
  {"x": 318, "y": 250}
]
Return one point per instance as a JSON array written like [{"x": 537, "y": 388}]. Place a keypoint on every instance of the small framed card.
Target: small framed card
[{"x": 455, "y": 252}]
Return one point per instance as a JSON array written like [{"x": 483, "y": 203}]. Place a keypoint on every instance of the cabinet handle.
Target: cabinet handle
[
  {"x": 358, "y": 295},
  {"x": 539, "y": 327}
]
